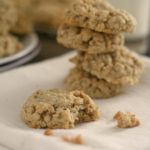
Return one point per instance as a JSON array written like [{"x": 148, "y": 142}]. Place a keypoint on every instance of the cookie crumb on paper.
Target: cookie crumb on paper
[
  {"x": 48, "y": 132},
  {"x": 126, "y": 120},
  {"x": 75, "y": 140}
]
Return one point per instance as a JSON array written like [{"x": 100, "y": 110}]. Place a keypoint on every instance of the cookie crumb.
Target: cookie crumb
[
  {"x": 126, "y": 120},
  {"x": 75, "y": 140},
  {"x": 48, "y": 132}
]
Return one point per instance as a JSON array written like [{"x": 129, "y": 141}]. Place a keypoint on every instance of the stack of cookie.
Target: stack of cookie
[{"x": 103, "y": 64}]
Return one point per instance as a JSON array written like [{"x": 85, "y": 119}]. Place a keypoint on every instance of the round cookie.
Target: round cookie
[
  {"x": 96, "y": 88},
  {"x": 8, "y": 16},
  {"x": 100, "y": 16},
  {"x": 87, "y": 40},
  {"x": 119, "y": 67},
  {"x": 58, "y": 109},
  {"x": 9, "y": 45}
]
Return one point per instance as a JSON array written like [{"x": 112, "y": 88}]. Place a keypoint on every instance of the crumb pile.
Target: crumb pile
[{"x": 103, "y": 64}]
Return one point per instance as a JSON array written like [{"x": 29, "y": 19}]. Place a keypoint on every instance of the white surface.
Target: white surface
[{"x": 17, "y": 85}]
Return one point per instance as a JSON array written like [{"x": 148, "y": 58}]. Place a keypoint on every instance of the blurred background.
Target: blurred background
[
  {"x": 36, "y": 27},
  {"x": 138, "y": 41}
]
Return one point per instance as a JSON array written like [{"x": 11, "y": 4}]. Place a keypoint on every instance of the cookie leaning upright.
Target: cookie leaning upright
[
  {"x": 100, "y": 16},
  {"x": 8, "y": 16},
  {"x": 24, "y": 24},
  {"x": 103, "y": 64}
]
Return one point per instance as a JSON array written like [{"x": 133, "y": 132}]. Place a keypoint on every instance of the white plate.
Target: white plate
[
  {"x": 21, "y": 60},
  {"x": 30, "y": 42}
]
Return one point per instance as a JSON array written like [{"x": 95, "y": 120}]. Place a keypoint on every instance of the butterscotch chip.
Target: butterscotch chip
[
  {"x": 100, "y": 16},
  {"x": 118, "y": 67},
  {"x": 75, "y": 140},
  {"x": 48, "y": 132},
  {"x": 8, "y": 16},
  {"x": 96, "y": 88},
  {"x": 126, "y": 120},
  {"x": 9, "y": 45},
  {"x": 58, "y": 109},
  {"x": 87, "y": 40}
]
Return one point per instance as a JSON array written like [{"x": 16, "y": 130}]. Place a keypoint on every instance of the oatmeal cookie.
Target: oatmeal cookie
[
  {"x": 52, "y": 15},
  {"x": 119, "y": 67},
  {"x": 87, "y": 40},
  {"x": 126, "y": 120},
  {"x": 58, "y": 109},
  {"x": 9, "y": 45},
  {"x": 96, "y": 88},
  {"x": 24, "y": 24},
  {"x": 100, "y": 16},
  {"x": 8, "y": 16}
]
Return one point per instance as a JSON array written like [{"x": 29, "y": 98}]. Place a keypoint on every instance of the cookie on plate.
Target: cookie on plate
[
  {"x": 119, "y": 67},
  {"x": 8, "y": 16},
  {"x": 100, "y": 16},
  {"x": 96, "y": 88},
  {"x": 58, "y": 109},
  {"x": 87, "y": 40},
  {"x": 9, "y": 45}
]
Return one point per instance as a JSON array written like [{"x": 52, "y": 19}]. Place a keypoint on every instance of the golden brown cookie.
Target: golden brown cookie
[
  {"x": 96, "y": 88},
  {"x": 119, "y": 67},
  {"x": 58, "y": 109},
  {"x": 87, "y": 40},
  {"x": 9, "y": 45},
  {"x": 100, "y": 16},
  {"x": 8, "y": 16},
  {"x": 24, "y": 24}
]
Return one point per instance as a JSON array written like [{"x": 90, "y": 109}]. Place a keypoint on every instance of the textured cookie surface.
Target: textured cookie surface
[
  {"x": 87, "y": 40},
  {"x": 96, "y": 88},
  {"x": 100, "y": 16},
  {"x": 9, "y": 45},
  {"x": 58, "y": 109},
  {"x": 8, "y": 16},
  {"x": 122, "y": 66}
]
